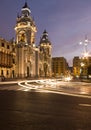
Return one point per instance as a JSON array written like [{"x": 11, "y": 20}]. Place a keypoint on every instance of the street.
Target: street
[{"x": 38, "y": 110}]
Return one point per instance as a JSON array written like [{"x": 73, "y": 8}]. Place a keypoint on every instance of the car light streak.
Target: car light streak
[
  {"x": 85, "y": 105},
  {"x": 49, "y": 89},
  {"x": 69, "y": 94},
  {"x": 25, "y": 88},
  {"x": 9, "y": 82},
  {"x": 31, "y": 86}
]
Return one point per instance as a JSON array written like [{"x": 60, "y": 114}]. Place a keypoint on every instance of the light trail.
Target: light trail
[
  {"x": 9, "y": 82},
  {"x": 85, "y": 105},
  {"x": 78, "y": 89},
  {"x": 49, "y": 88}
]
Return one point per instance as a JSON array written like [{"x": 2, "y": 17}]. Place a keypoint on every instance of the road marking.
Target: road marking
[{"x": 85, "y": 105}]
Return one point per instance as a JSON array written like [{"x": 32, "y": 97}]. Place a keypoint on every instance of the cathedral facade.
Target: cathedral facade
[{"x": 31, "y": 60}]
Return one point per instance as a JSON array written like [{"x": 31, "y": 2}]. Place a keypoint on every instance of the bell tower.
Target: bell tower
[
  {"x": 25, "y": 29},
  {"x": 45, "y": 55}
]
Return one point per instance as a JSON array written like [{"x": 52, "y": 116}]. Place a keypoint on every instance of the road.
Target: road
[
  {"x": 50, "y": 86},
  {"x": 23, "y": 108}
]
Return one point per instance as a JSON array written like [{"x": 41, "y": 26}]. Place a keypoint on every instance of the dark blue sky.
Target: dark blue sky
[{"x": 66, "y": 21}]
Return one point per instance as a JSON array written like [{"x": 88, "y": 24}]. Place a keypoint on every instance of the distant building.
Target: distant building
[
  {"x": 7, "y": 59},
  {"x": 82, "y": 67},
  {"x": 76, "y": 66},
  {"x": 59, "y": 66}
]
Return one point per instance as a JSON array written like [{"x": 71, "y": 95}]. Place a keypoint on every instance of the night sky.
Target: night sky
[{"x": 66, "y": 21}]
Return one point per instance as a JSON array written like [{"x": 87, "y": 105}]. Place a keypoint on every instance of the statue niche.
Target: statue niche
[{"x": 22, "y": 37}]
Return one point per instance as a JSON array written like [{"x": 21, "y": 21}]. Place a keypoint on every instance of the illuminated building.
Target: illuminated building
[
  {"x": 31, "y": 61},
  {"x": 59, "y": 66},
  {"x": 45, "y": 55},
  {"x": 22, "y": 58},
  {"x": 7, "y": 58},
  {"x": 76, "y": 66},
  {"x": 82, "y": 67},
  {"x": 25, "y": 44}
]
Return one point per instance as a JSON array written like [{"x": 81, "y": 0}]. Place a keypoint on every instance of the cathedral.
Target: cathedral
[
  {"x": 22, "y": 58},
  {"x": 31, "y": 60}
]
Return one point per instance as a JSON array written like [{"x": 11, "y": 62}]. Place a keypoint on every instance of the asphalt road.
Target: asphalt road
[{"x": 43, "y": 111}]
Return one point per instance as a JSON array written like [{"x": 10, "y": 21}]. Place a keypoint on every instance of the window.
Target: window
[
  {"x": 7, "y": 72},
  {"x": 13, "y": 49},
  {"x": 1, "y": 72},
  {"x": 2, "y": 44},
  {"x": 8, "y": 47},
  {"x": 13, "y": 60}
]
